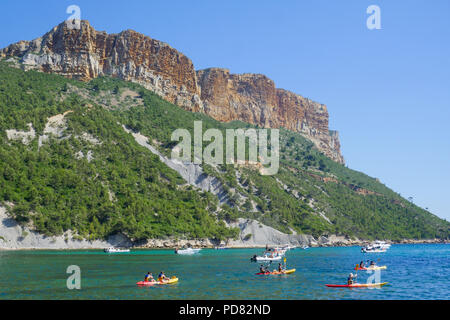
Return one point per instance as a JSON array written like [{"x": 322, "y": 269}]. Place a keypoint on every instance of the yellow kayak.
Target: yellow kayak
[
  {"x": 277, "y": 272},
  {"x": 170, "y": 281}
]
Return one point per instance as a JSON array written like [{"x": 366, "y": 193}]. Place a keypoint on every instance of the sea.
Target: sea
[{"x": 414, "y": 271}]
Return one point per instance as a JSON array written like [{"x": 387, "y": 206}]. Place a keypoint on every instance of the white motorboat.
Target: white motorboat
[
  {"x": 381, "y": 244},
  {"x": 221, "y": 248},
  {"x": 115, "y": 250},
  {"x": 187, "y": 251},
  {"x": 276, "y": 251},
  {"x": 376, "y": 247},
  {"x": 372, "y": 248},
  {"x": 305, "y": 247},
  {"x": 268, "y": 258}
]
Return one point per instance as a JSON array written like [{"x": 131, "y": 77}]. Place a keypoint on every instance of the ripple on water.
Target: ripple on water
[{"x": 414, "y": 272}]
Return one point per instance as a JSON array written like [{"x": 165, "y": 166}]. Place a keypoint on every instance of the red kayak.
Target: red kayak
[{"x": 356, "y": 285}]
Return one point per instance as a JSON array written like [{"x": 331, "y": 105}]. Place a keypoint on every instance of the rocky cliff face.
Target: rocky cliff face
[
  {"x": 254, "y": 98},
  {"x": 85, "y": 54}
]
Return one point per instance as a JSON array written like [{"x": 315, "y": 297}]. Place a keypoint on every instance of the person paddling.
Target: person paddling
[
  {"x": 280, "y": 268},
  {"x": 148, "y": 277},
  {"x": 261, "y": 269},
  {"x": 351, "y": 278},
  {"x": 361, "y": 264},
  {"x": 162, "y": 276}
]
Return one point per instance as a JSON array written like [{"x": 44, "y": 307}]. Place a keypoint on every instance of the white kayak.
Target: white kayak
[{"x": 187, "y": 251}]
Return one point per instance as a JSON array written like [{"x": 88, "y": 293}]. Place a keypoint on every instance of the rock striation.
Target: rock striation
[
  {"x": 253, "y": 98},
  {"x": 85, "y": 54}
]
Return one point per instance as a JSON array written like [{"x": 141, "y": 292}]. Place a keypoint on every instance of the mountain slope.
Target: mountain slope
[
  {"x": 76, "y": 168},
  {"x": 91, "y": 177}
]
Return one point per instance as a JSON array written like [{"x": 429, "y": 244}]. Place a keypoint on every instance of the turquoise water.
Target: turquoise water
[{"x": 414, "y": 272}]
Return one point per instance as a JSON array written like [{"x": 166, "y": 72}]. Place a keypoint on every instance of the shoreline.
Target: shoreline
[
  {"x": 402, "y": 242},
  {"x": 253, "y": 234}
]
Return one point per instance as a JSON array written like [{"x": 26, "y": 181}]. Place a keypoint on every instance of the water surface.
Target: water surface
[{"x": 414, "y": 272}]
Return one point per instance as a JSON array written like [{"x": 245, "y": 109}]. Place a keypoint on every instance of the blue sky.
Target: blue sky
[{"x": 387, "y": 91}]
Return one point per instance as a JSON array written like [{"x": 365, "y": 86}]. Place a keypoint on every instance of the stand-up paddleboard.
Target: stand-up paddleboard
[
  {"x": 277, "y": 272},
  {"x": 356, "y": 285}
]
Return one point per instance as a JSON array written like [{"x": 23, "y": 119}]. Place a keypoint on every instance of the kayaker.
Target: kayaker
[
  {"x": 261, "y": 269},
  {"x": 162, "y": 276},
  {"x": 148, "y": 277},
  {"x": 351, "y": 277},
  {"x": 176, "y": 250},
  {"x": 372, "y": 263},
  {"x": 280, "y": 268},
  {"x": 361, "y": 264}
]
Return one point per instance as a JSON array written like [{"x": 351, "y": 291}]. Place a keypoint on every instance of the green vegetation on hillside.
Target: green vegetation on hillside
[{"x": 125, "y": 188}]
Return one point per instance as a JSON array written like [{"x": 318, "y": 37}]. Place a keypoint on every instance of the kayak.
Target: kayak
[
  {"x": 151, "y": 283},
  {"x": 277, "y": 272},
  {"x": 356, "y": 285},
  {"x": 373, "y": 268}
]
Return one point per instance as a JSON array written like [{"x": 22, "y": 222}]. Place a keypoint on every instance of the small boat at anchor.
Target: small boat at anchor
[
  {"x": 266, "y": 257},
  {"x": 371, "y": 268},
  {"x": 187, "y": 251},
  {"x": 376, "y": 247},
  {"x": 115, "y": 250}
]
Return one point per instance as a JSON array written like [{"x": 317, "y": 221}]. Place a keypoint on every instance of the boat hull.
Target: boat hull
[
  {"x": 276, "y": 272},
  {"x": 357, "y": 285},
  {"x": 373, "y": 268},
  {"x": 268, "y": 259},
  {"x": 188, "y": 252},
  {"x": 157, "y": 283}
]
